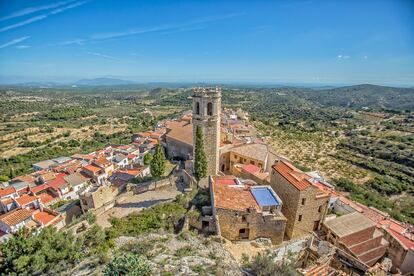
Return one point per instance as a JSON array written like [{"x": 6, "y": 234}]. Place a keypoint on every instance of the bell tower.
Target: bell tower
[{"x": 206, "y": 114}]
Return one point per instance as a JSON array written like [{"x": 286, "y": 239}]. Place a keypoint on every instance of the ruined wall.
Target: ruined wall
[{"x": 258, "y": 226}]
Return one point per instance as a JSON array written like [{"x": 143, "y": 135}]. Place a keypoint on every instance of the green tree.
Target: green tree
[
  {"x": 4, "y": 178},
  {"x": 157, "y": 165},
  {"x": 147, "y": 158},
  {"x": 200, "y": 162},
  {"x": 128, "y": 264}
]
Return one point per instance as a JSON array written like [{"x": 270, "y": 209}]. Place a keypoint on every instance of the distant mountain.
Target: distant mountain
[
  {"x": 46, "y": 84},
  {"x": 103, "y": 82}
]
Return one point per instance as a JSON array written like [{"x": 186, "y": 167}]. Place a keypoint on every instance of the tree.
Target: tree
[
  {"x": 147, "y": 158},
  {"x": 157, "y": 165},
  {"x": 128, "y": 264},
  {"x": 200, "y": 162},
  {"x": 4, "y": 178}
]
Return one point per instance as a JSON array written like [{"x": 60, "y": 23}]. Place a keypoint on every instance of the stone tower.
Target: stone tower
[{"x": 206, "y": 114}]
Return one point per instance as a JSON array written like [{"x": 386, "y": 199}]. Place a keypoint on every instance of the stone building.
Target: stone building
[
  {"x": 206, "y": 114},
  {"x": 98, "y": 197},
  {"x": 245, "y": 211},
  {"x": 179, "y": 139},
  {"x": 256, "y": 154},
  {"x": 357, "y": 235},
  {"x": 305, "y": 205}
]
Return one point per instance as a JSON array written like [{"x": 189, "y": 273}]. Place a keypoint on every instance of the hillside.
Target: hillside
[{"x": 365, "y": 95}]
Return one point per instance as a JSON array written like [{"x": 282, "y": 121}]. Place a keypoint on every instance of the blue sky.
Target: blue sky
[{"x": 343, "y": 42}]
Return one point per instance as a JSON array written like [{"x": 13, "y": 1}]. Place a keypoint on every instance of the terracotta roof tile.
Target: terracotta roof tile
[
  {"x": 233, "y": 197},
  {"x": 16, "y": 216},
  {"x": 251, "y": 168},
  {"x": 7, "y": 191},
  {"x": 92, "y": 168},
  {"x": 44, "y": 217},
  {"x": 296, "y": 177},
  {"x": 45, "y": 198},
  {"x": 25, "y": 199},
  {"x": 180, "y": 131},
  {"x": 40, "y": 188}
]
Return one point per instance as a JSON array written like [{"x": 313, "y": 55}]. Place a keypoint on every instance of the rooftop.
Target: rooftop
[
  {"x": 16, "y": 216},
  {"x": 349, "y": 224},
  {"x": 233, "y": 197},
  {"x": 44, "y": 164},
  {"x": 75, "y": 179},
  {"x": 25, "y": 199},
  {"x": 7, "y": 191},
  {"x": 254, "y": 151},
  {"x": 293, "y": 175},
  {"x": 264, "y": 196},
  {"x": 92, "y": 168},
  {"x": 252, "y": 169},
  {"x": 180, "y": 131},
  {"x": 44, "y": 217}
]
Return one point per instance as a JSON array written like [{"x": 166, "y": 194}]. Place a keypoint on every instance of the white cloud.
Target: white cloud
[
  {"x": 343, "y": 57},
  {"x": 14, "y": 41},
  {"x": 102, "y": 55},
  {"x": 168, "y": 28},
  {"x": 31, "y": 10},
  {"x": 42, "y": 16},
  {"x": 23, "y": 46}
]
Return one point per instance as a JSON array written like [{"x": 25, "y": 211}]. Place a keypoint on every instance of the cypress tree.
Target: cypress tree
[
  {"x": 200, "y": 162},
  {"x": 157, "y": 165}
]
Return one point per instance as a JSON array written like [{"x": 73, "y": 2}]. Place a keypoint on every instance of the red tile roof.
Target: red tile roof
[
  {"x": 44, "y": 217},
  {"x": 16, "y": 216},
  {"x": 131, "y": 156},
  {"x": 225, "y": 180},
  {"x": 25, "y": 199},
  {"x": 233, "y": 197},
  {"x": 402, "y": 239},
  {"x": 293, "y": 175},
  {"x": 57, "y": 183},
  {"x": 92, "y": 168},
  {"x": 7, "y": 191},
  {"x": 40, "y": 188},
  {"x": 45, "y": 198},
  {"x": 251, "y": 168},
  {"x": 102, "y": 161}
]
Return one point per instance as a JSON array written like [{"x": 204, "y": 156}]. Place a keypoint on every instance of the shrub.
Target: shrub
[{"x": 128, "y": 264}]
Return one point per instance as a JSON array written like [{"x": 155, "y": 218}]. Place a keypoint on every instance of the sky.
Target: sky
[{"x": 309, "y": 41}]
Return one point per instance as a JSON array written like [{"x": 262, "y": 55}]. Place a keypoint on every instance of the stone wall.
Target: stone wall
[
  {"x": 302, "y": 218},
  {"x": 255, "y": 225},
  {"x": 178, "y": 149},
  {"x": 151, "y": 185}
]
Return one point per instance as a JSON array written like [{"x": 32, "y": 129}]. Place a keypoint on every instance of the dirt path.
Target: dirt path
[{"x": 136, "y": 203}]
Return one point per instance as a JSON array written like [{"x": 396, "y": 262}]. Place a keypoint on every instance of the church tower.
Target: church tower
[{"x": 206, "y": 114}]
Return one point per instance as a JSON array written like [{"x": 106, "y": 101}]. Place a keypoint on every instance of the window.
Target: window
[
  {"x": 320, "y": 209},
  {"x": 300, "y": 218},
  {"x": 303, "y": 201},
  {"x": 252, "y": 162},
  {"x": 198, "y": 108},
  {"x": 209, "y": 109},
  {"x": 244, "y": 219}
]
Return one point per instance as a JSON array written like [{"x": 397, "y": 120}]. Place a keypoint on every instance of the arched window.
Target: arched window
[
  {"x": 198, "y": 108},
  {"x": 209, "y": 109}
]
